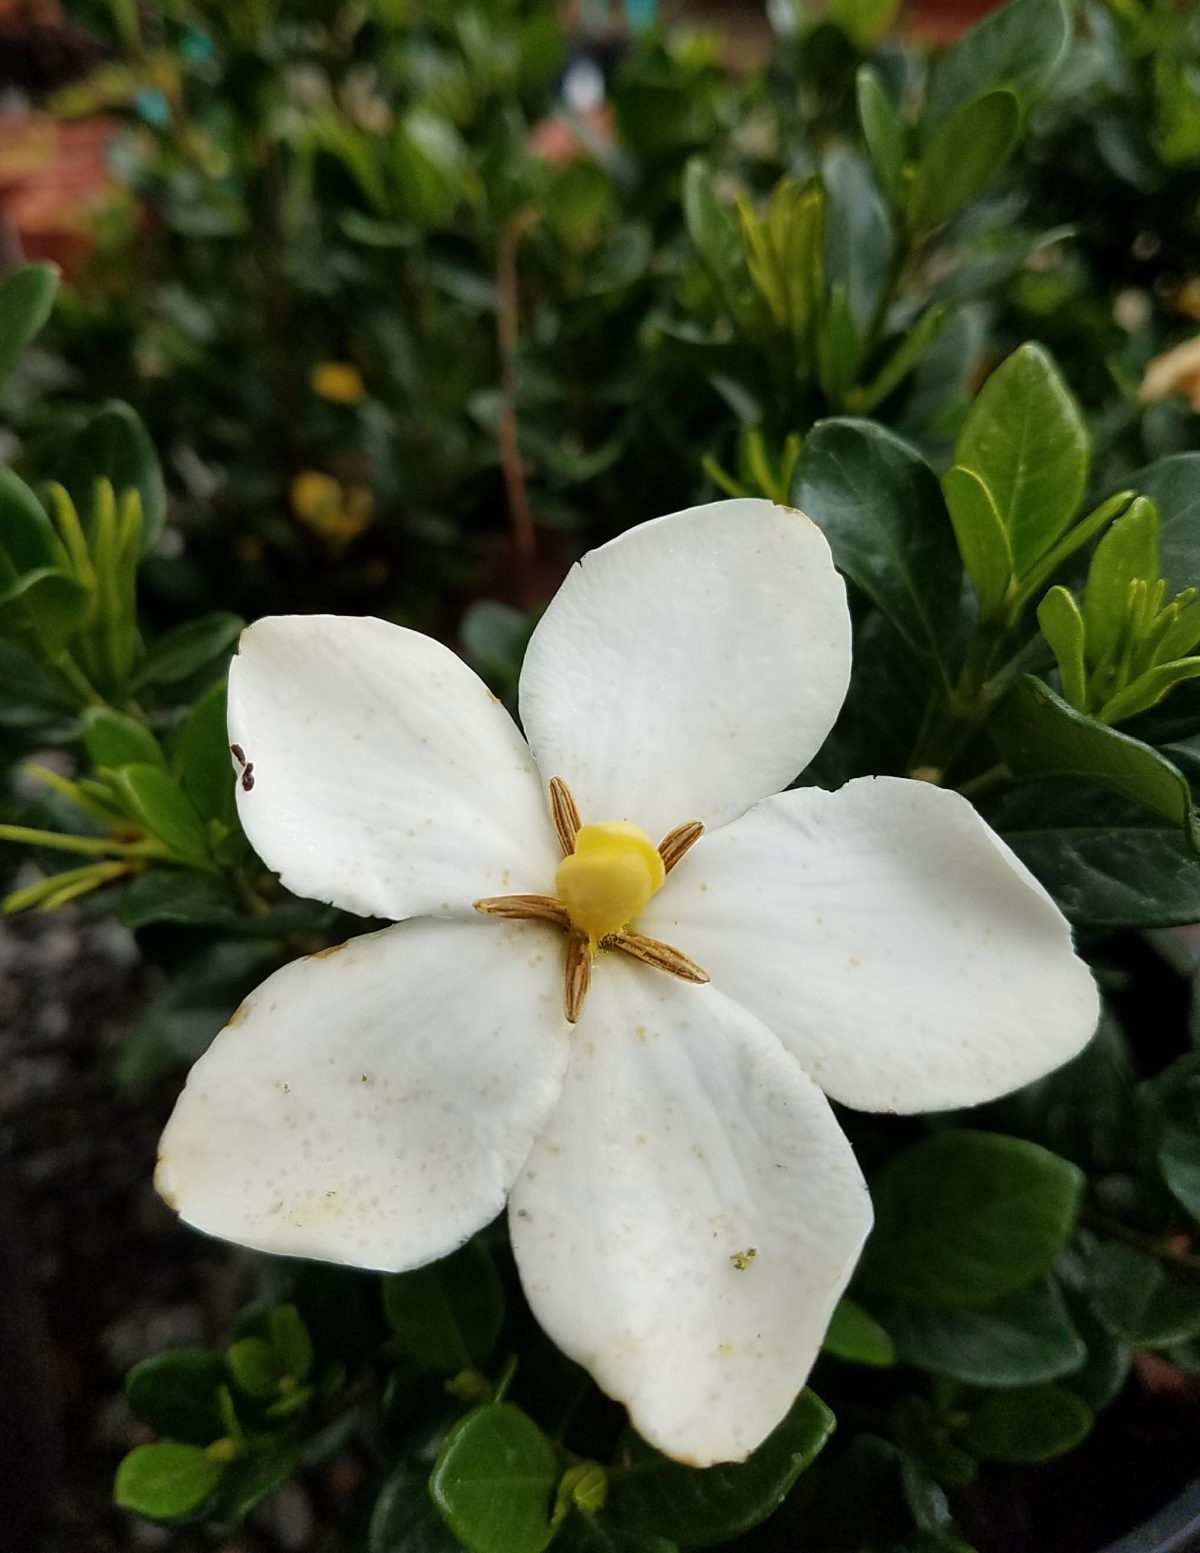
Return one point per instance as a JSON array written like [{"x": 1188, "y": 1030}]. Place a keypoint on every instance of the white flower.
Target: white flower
[{"x": 685, "y": 1210}]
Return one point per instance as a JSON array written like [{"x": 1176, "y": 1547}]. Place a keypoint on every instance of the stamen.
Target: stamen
[
  {"x": 678, "y": 842},
  {"x": 525, "y": 908},
  {"x": 651, "y": 951},
  {"x": 578, "y": 975},
  {"x": 564, "y": 814}
]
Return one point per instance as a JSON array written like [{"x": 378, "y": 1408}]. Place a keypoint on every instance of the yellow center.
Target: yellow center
[{"x": 609, "y": 878}]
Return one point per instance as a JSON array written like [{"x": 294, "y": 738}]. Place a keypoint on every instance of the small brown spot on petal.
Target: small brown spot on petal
[{"x": 325, "y": 954}]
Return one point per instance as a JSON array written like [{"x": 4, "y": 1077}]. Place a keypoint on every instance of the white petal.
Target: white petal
[
  {"x": 691, "y": 666},
  {"x": 386, "y": 776},
  {"x": 687, "y": 1138},
  {"x": 372, "y": 1105},
  {"x": 891, "y": 940}
]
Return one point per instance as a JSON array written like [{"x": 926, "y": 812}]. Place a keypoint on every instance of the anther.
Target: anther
[
  {"x": 678, "y": 842},
  {"x": 652, "y": 951},
  {"x": 564, "y": 814},
  {"x": 525, "y": 908},
  {"x": 578, "y": 976}
]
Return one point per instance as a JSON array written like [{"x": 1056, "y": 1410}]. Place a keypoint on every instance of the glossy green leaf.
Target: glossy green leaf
[
  {"x": 698, "y": 1508},
  {"x": 1018, "y": 1340},
  {"x": 981, "y": 535},
  {"x": 177, "y": 895},
  {"x": 27, "y": 538},
  {"x": 1026, "y": 440},
  {"x": 1127, "y": 553},
  {"x": 115, "y": 446},
  {"x": 964, "y": 155},
  {"x": 581, "y": 1533},
  {"x": 449, "y": 1313},
  {"x": 855, "y": 1336},
  {"x": 201, "y": 759},
  {"x": 962, "y": 1218},
  {"x": 1037, "y": 734},
  {"x": 26, "y": 299},
  {"x": 291, "y": 1340},
  {"x": 112, "y": 739},
  {"x": 859, "y": 238},
  {"x": 879, "y": 506},
  {"x": 1061, "y": 622},
  {"x": 164, "y": 1481},
  {"x": 1020, "y": 46},
  {"x": 1173, "y": 485},
  {"x": 255, "y": 1367},
  {"x": 176, "y": 1394},
  {"x": 1139, "y": 1301},
  {"x": 156, "y": 801},
  {"x": 186, "y": 649},
  {"x": 1078, "y": 535},
  {"x": 494, "y": 1481},
  {"x": 1032, "y": 1424},
  {"x": 405, "y": 1518},
  {"x": 883, "y": 130}
]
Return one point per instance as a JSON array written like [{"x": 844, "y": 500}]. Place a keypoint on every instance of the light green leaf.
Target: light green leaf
[
  {"x": 855, "y": 1336},
  {"x": 448, "y": 1314},
  {"x": 963, "y": 1218},
  {"x": 878, "y": 504},
  {"x": 186, "y": 649},
  {"x": 883, "y": 130},
  {"x": 964, "y": 155},
  {"x": 1029, "y": 1425},
  {"x": 1026, "y": 440},
  {"x": 494, "y": 1481},
  {"x": 291, "y": 1341},
  {"x": 165, "y": 1481},
  {"x": 1020, "y": 46},
  {"x": 49, "y": 603},
  {"x": 698, "y": 1508},
  {"x": 1061, "y": 622},
  {"x": 1038, "y": 735},
  {"x": 26, "y": 299},
  {"x": 112, "y": 739},
  {"x": 255, "y": 1367},
  {"x": 1127, "y": 553},
  {"x": 158, "y": 803},
  {"x": 904, "y": 358},
  {"x": 713, "y": 230},
  {"x": 982, "y": 538},
  {"x": 1074, "y": 539},
  {"x": 1018, "y": 1340}
]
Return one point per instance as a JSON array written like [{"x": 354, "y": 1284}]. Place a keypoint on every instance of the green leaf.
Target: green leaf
[
  {"x": 967, "y": 152},
  {"x": 1109, "y": 867},
  {"x": 176, "y": 1394},
  {"x": 494, "y": 637},
  {"x": 31, "y": 694},
  {"x": 201, "y": 760},
  {"x": 1076, "y": 536},
  {"x": 115, "y": 446},
  {"x": 26, "y": 299},
  {"x": 176, "y": 895},
  {"x": 879, "y": 506},
  {"x": 1032, "y": 1424},
  {"x": 698, "y": 1508},
  {"x": 165, "y": 1481},
  {"x": 1061, "y": 622},
  {"x": 431, "y": 166},
  {"x": 962, "y": 1218},
  {"x": 49, "y": 602},
  {"x": 713, "y": 230},
  {"x": 255, "y": 1366},
  {"x": 1128, "y": 552},
  {"x": 1020, "y": 46},
  {"x": 838, "y": 348},
  {"x": 1139, "y": 1301},
  {"x": 859, "y": 238},
  {"x": 883, "y": 130},
  {"x": 904, "y": 358},
  {"x": 1038, "y": 735},
  {"x": 27, "y": 537},
  {"x": 157, "y": 802},
  {"x": 1173, "y": 485},
  {"x": 186, "y": 649},
  {"x": 1026, "y": 440},
  {"x": 981, "y": 535},
  {"x": 1173, "y": 1101},
  {"x": 112, "y": 739},
  {"x": 494, "y": 1481},
  {"x": 582, "y": 1533},
  {"x": 862, "y": 20},
  {"x": 1018, "y": 1340},
  {"x": 855, "y": 1336},
  {"x": 405, "y": 1518},
  {"x": 448, "y": 1314},
  {"x": 291, "y": 1341}
]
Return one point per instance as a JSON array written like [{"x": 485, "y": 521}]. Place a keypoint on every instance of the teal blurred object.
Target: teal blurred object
[{"x": 641, "y": 14}]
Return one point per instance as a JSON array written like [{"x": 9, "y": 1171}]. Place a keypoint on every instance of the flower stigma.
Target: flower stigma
[
  {"x": 609, "y": 879},
  {"x": 610, "y": 871}
]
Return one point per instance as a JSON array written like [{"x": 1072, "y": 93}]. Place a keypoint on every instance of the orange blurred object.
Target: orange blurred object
[{"x": 54, "y": 178}]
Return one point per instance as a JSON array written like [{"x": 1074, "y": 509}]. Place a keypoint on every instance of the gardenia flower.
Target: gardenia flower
[
  {"x": 631, "y": 1043},
  {"x": 1177, "y": 371}
]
